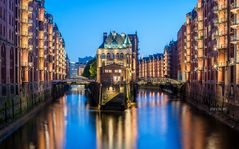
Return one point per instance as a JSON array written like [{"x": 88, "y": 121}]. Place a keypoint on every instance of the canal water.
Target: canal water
[{"x": 158, "y": 121}]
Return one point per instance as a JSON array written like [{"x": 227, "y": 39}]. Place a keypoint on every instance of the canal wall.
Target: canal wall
[
  {"x": 217, "y": 100},
  {"x": 16, "y": 110}
]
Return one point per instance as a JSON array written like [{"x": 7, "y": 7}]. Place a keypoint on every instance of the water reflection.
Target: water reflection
[
  {"x": 118, "y": 130},
  {"x": 156, "y": 122}
]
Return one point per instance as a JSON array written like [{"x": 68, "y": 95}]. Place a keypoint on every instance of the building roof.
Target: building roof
[{"x": 116, "y": 41}]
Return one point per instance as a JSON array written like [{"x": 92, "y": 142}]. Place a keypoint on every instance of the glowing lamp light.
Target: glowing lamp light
[{"x": 215, "y": 66}]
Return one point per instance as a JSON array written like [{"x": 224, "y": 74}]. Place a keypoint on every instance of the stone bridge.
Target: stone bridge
[
  {"x": 74, "y": 81},
  {"x": 166, "y": 84}
]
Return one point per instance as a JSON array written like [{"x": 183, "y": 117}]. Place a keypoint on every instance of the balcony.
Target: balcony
[
  {"x": 30, "y": 34},
  {"x": 24, "y": 21},
  {"x": 221, "y": 64},
  {"x": 221, "y": 47},
  {"x": 222, "y": 7},
  {"x": 232, "y": 61},
  {"x": 234, "y": 39},
  {"x": 215, "y": 9},
  {"x": 24, "y": 34},
  {"x": 24, "y": 8},
  {"x": 220, "y": 34},
  {"x": 222, "y": 20},
  {"x": 24, "y": 64},
  {"x": 30, "y": 9},
  {"x": 234, "y": 24},
  {"x": 215, "y": 21},
  {"x": 234, "y": 7},
  {"x": 30, "y": 21}
]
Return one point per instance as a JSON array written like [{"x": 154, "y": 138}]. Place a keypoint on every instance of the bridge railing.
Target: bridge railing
[{"x": 160, "y": 81}]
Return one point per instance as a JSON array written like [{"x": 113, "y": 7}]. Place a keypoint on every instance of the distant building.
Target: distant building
[
  {"x": 32, "y": 49},
  {"x": 117, "y": 58},
  {"x": 171, "y": 60},
  {"x": 73, "y": 70},
  {"x": 211, "y": 53},
  {"x": 182, "y": 53},
  {"x": 135, "y": 49},
  {"x": 67, "y": 66},
  {"x": 76, "y": 69},
  {"x": 151, "y": 67},
  {"x": 160, "y": 65}
]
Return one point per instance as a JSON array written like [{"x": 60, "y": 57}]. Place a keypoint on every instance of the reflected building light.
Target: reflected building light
[
  {"x": 184, "y": 111},
  {"x": 187, "y": 127},
  {"x": 212, "y": 142},
  {"x": 46, "y": 132},
  {"x": 111, "y": 133},
  {"x": 134, "y": 127},
  {"x": 64, "y": 100},
  {"x": 150, "y": 94},
  {"x": 32, "y": 146},
  {"x": 151, "y": 102},
  {"x": 139, "y": 104},
  {"x": 163, "y": 126},
  {"x": 120, "y": 136},
  {"x": 65, "y": 110},
  {"x": 99, "y": 131},
  {"x": 127, "y": 129},
  {"x": 54, "y": 119}
]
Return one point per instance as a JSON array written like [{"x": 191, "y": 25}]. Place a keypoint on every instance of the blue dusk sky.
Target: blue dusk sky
[{"x": 82, "y": 22}]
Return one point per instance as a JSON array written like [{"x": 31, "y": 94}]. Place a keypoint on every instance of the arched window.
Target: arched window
[
  {"x": 12, "y": 65},
  {"x": 108, "y": 55},
  {"x": 121, "y": 55},
  {"x": 117, "y": 55},
  {"x": 127, "y": 57},
  {"x": 3, "y": 63},
  {"x": 113, "y": 56},
  {"x": 103, "y": 56}
]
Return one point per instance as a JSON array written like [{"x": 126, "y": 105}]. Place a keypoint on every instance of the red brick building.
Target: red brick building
[
  {"x": 32, "y": 49},
  {"x": 9, "y": 49},
  {"x": 212, "y": 55}
]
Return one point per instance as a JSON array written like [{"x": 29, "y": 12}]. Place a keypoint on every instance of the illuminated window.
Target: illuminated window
[
  {"x": 108, "y": 71},
  {"x": 118, "y": 71}
]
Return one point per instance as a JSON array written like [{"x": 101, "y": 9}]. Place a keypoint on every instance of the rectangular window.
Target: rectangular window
[
  {"x": 0, "y": 12},
  {"x": 9, "y": 20},
  {"x": 0, "y": 29}
]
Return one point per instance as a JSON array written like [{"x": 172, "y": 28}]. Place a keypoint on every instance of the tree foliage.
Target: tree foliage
[{"x": 90, "y": 70}]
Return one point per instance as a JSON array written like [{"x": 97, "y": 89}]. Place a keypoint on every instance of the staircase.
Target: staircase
[{"x": 115, "y": 103}]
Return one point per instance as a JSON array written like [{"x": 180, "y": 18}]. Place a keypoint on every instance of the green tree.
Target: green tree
[
  {"x": 90, "y": 70},
  {"x": 93, "y": 70}
]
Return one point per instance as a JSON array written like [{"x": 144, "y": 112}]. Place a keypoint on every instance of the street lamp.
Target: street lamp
[{"x": 216, "y": 67}]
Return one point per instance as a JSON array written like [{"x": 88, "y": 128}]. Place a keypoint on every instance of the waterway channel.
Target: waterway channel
[{"x": 158, "y": 121}]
